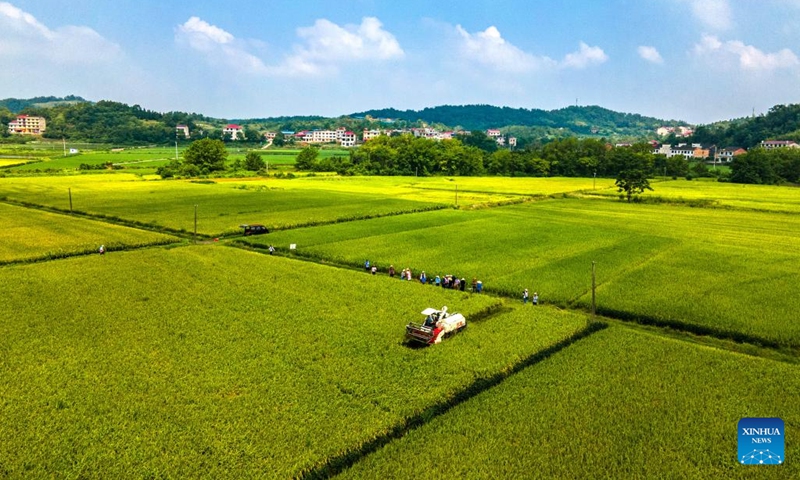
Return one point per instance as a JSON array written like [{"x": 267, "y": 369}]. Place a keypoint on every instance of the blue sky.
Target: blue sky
[{"x": 694, "y": 60}]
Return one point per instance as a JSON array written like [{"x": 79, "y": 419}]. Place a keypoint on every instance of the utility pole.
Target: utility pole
[
  {"x": 63, "y": 139},
  {"x": 176, "y": 145},
  {"x": 594, "y": 181},
  {"x": 594, "y": 309},
  {"x": 195, "y": 224}
]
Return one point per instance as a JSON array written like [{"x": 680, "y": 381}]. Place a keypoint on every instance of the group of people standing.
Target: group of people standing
[
  {"x": 525, "y": 297},
  {"x": 445, "y": 281}
]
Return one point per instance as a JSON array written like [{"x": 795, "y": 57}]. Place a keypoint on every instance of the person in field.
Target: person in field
[
  {"x": 474, "y": 284},
  {"x": 102, "y": 249},
  {"x": 535, "y": 298},
  {"x": 437, "y": 281},
  {"x": 479, "y": 285},
  {"x": 271, "y": 250},
  {"x": 423, "y": 279},
  {"x": 525, "y": 296},
  {"x": 374, "y": 269},
  {"x": 391, "y": 271},
  {"x": 463, "y": 284}
]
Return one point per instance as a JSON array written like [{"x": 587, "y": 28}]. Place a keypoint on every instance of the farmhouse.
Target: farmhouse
[
  {"x": 770, "y": 144},
  {"x": 726, "y": 155},
  {"x": 234, "y": 131},
  {"x": 27, "y": 125},
  {"x": 348, "y": 139},
  {"x": 182, "y": 129},
  {"x": 370, "y": 134}
]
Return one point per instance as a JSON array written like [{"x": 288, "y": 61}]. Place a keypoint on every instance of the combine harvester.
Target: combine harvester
[{"x": 437, "y": 325}]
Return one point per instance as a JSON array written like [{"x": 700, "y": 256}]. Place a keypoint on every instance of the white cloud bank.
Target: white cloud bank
[
  {"x": 219, "y": 46},
  {"x": 22, "y": 36},
  {"x": 650, "y": 54},
  {"x": 713, "y": 14},
  {"x": 490, "y": 49},
  {"x": 749, "y": 57},
  {"x": 585, "y": 57},
  {"x": 326, "y": 46}
]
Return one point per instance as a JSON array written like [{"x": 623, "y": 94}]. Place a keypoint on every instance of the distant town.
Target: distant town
[{"x": 34, "y": 125}]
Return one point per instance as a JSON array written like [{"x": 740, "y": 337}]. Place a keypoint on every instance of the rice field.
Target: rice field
[
  {"x": 618, "y": 404},
  {"x": 34, "y": 235},
  {"x": 221, "y": 206},
  {"x": 768, "y": 198},
  {"x": 725, "y": 271},
  {"x": 504, "y": 187},
  {"x": 213, "y": 361}
]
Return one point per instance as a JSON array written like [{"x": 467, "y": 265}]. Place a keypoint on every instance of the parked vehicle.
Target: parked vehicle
[{"x": 254, "y": 229}]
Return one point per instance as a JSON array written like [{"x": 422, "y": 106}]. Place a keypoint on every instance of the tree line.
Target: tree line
[
  {"x": 763, "y": 166},
  {"x": 476, "y": 154},
  {"x": 782, "y": 122}
]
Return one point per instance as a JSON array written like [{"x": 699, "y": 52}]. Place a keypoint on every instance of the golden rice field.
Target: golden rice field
[
  {"x": 769, "y": 198},
  {"x": 33, "y": 234},
  {"x": 216, "y": 361}
]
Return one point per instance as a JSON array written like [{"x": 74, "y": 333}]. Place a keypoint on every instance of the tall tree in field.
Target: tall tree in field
[
  {"x": 306, "y": 158},
  {"x": 632, "y": 176},
  {"x": 253, "y": 162},
  {"x": 207, "y": 155}
]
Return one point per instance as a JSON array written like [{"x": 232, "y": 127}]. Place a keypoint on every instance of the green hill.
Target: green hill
[
  {"x": 782, "y": 122},
  {"x": 588, "y": 120},
  {"x": 16, "y": 105}
]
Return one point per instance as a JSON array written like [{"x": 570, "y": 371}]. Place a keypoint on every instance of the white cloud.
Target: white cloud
[
  {"x": 491, "y": 49},
  {"x": 584, "y": 57},
  {"x": 201, "y": 34},
  {"x": 749, "y": 57},
  {"x": 328, "y": 42},
  {"x": 219, "y": 46},
  {"x": 708, "y": 44},
  {"x": 650, "y": 54},
  {"x": 326, "y": 45},
  {"x": 24, "y": 37},
  {"x": 713, "y": 14}
]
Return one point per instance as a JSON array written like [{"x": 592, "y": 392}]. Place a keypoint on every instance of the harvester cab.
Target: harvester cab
[{"x": 437, "y": 325}]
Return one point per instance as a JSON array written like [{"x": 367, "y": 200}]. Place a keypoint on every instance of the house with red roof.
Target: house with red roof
[{"x": 235, "y": 132}]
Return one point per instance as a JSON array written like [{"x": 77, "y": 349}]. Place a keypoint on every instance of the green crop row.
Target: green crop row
[
  {"x": 619, "y": 404},
  {"x": 719, "y": 271},
  {"x": 209, "y": 361},
  {"x": 28, "y": 234}
]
